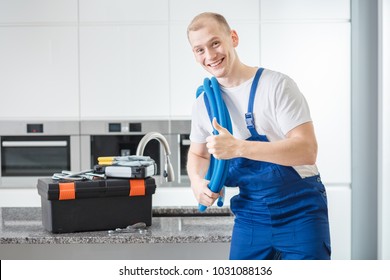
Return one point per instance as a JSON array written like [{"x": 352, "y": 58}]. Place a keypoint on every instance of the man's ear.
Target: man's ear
[{"x": 234, "y": 36}]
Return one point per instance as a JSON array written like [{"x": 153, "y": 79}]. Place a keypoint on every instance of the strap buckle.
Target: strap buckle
[{"x": 249, "y": 120}]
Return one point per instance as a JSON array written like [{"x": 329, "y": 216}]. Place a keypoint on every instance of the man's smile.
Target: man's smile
[{"x": 215, "y": 64}]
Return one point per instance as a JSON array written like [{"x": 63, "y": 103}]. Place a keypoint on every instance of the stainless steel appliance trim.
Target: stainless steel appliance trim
[
  {"x": 180, "y": 126},
  {"x": 16, "y": 128},
  {"x": 75, "y": 154},
  {"x": 102, "y": 127},
  {"x": 34, "y": 144},
  {"x": 85, "y": 152}
]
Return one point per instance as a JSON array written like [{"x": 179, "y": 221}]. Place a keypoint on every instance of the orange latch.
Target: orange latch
[
  {"x": 137, "y": 187},
  {"x": 67, "y": 191}
]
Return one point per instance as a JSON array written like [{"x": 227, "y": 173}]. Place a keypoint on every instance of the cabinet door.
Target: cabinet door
[
  {"x": 38, "y": 72},
  {"x": 38, "y": 11},
  {"x": 317, "y": 57},
  {"x": 291, "y": 10},
  {"x": 124, "y": 71},
  {"x": 232, "y": 9},
  {"x": 117, "y": 11}
]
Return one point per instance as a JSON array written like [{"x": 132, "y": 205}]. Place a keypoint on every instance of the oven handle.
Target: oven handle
[{"x": 34, "y": 143}]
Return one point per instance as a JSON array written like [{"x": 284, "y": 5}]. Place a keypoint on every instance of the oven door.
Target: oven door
[{"x": 25, "y": 158}]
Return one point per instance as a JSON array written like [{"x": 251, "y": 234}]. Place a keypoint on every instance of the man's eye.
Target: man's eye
[
  {"x": 215, "y": 44},
  {"x": 199, "y": 51}
]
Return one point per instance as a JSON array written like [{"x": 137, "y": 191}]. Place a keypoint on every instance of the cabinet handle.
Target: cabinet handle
[{"x": 35, "y": 143}]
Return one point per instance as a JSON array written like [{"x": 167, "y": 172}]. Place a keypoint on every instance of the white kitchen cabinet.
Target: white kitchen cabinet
[
  {"x": 124, "y": 61},
  {"x": 123, "y": 10},
  {"x": 232, "y": 9},
  {"x": 37, "y": 11},
  {"x": 304, "y": 10},
  {"x": 39, "y": 72},
  {"x": 38, "y": 54},
  {"x": 124, "y": 71},
  {"x": 317, "y": 57}
]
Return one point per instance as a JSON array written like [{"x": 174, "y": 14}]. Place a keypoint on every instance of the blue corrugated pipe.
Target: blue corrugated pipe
[{"x": 216, "y": 108}]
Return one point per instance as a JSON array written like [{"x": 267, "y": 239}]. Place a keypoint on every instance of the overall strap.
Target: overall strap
[{"x": 250, "y": 124}]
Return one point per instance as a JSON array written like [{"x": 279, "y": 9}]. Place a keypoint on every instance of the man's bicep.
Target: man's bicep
[
  {"x": 305, "y": 131},
  {"x": 199, "y": 149}
]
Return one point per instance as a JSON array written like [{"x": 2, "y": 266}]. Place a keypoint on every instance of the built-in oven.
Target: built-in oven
[
  {"x": 39, "y": 149},
  {"x": 121, "y": 138}
]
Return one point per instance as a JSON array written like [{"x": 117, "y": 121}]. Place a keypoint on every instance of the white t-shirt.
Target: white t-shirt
[{"x": 278, "y": 107}]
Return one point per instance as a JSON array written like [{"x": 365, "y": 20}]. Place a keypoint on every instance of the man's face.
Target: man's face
[{"x": 213, "y": 48}]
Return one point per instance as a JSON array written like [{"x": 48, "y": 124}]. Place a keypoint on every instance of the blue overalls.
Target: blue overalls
[{"x": 278, "y": 215}]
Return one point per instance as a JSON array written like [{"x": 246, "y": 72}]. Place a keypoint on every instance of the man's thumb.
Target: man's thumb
[{"x": 217, "y": 126}]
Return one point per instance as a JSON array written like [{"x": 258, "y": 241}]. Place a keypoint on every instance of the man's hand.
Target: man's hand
[
  {"x": 202, "y": 192},
  {"x": 223, "y": 145}
]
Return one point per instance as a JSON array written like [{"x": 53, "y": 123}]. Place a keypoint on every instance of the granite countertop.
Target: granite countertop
[{"x": 169, "y": 225}]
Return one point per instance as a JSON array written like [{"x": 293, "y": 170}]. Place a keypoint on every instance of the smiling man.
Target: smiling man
[{"x": 281, "y": 209}]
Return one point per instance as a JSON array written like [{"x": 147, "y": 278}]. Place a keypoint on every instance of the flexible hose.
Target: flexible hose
[{"x": 218, "y": 169}]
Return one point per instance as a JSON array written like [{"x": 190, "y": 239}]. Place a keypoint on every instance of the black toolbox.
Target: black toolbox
[{"x": 89, "y": 205}]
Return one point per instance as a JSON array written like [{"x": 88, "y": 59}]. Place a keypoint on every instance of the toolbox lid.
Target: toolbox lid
[{"x": 66, "y": 190}]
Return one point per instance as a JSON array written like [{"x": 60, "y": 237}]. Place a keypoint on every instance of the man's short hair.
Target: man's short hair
[{"x": 198, "y": 23}]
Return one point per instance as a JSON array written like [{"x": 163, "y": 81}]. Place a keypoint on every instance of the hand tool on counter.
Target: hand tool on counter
[
  {"x": 136, "y": 228},
  {"x": 88, "y": 174}
]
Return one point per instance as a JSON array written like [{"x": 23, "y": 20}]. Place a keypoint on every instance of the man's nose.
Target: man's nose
[{"x": 211, "y": 53}]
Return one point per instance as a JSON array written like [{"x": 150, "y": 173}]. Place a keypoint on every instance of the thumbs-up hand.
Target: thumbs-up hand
[{"x": 223, "y": 145}]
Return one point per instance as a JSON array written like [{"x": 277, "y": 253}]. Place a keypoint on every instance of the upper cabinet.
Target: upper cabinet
[
  {"x": 314, "y": 10},
  {"x": 124, "y": 59},
  {"x": 39, "y": 60},
  {"x": 38, "y": 11},
  {"x": 121, "y": 11},
  {"x": 124, "y": 71},
  {"x": 233, "y": 10}
]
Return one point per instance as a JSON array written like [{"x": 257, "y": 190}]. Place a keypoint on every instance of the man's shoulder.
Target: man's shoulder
[
  {"x": 274, "y": 75},
  {"x": 277, "y": 81}
]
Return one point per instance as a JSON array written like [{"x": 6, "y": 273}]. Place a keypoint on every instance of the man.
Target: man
[{"x": 281, "y": 209}]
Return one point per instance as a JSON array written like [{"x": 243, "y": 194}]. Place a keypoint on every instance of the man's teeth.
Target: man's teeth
[{"x": 216, "y": 63}]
